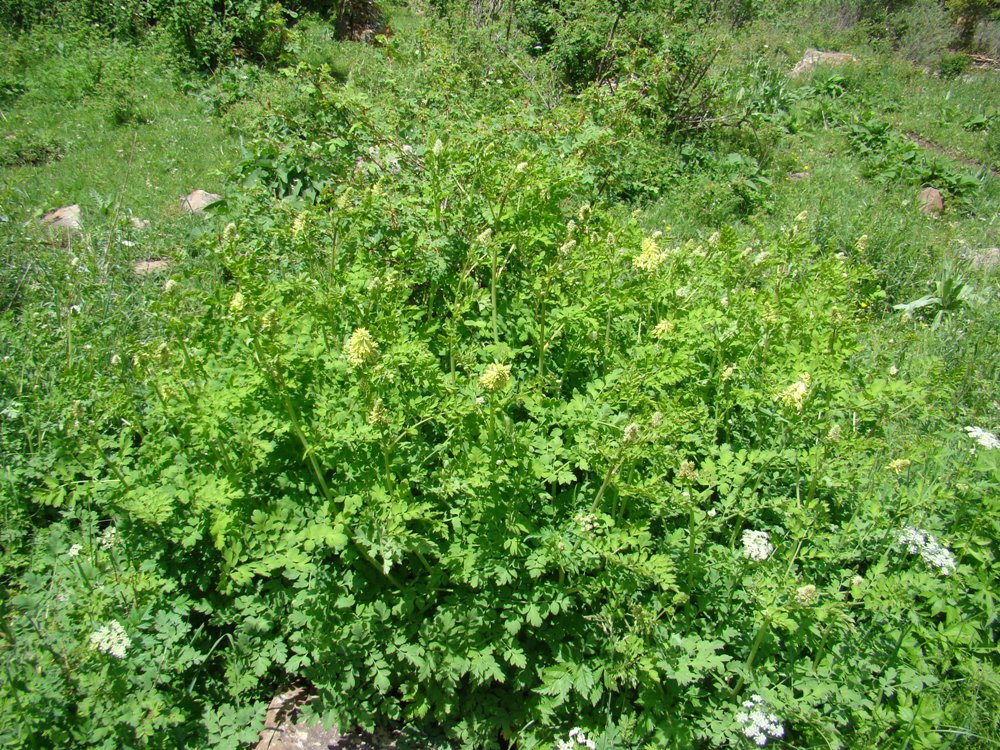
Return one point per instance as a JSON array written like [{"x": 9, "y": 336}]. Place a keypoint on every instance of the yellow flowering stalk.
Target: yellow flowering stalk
[
  {"x": 794, "y": 396},
  {"x": 361, "y": 348},
  {"x": 651, "y": 257}
]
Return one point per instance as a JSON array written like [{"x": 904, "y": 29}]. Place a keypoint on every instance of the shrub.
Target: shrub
[
  {"x": 251, "y": 29},
  {"x": 952, "y": 66}
]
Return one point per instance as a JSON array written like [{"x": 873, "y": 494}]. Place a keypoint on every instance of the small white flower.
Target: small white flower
[
  {"x": 756, "y": 545},
  {"x": 936, "y": 555},
  {"x": 986, "y": 439},
  {"x": 577, "y": 739},
  {"x": 74, "y": 551},
  {"x": 111, "y": 639},
  {"x": 438, "y": 147},
  {"x": 586, "y": 521}
]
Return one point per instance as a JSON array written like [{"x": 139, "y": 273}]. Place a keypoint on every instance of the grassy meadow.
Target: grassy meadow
[{"x": 550, "y": 374}]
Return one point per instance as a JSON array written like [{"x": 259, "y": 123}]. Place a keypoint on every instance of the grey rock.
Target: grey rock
[
  {"x": 814, "y": 57},
  {"x": 284, "y": 729},
  {"x": 931, "y": 201},
  {"x": 986, "y": 258},
  {"x": 66, "y": 218},
  {"x": 198, "y": 201},
  {"x": 150, "y": 267}
]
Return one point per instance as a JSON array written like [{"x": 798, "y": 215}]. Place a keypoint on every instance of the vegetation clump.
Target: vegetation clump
[{"x": 516, "y": 394}]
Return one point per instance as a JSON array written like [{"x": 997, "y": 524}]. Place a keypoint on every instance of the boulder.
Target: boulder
[
  {"x": 198, "y": 201},
  {"x": 66, "y": 218},
  {"x": 814, "y": 57},
  {"x": 931, "y": 202}
]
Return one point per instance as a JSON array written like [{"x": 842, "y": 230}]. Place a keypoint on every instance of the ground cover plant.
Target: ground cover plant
[{"x": 513, "y": 403}]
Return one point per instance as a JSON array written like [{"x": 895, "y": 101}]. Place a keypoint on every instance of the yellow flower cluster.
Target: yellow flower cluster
[
  {"x": 651, "y": 257},
  {"x": 495, "y": 377},
  {"x": 794, "y": 396},
  {"x": 361, "y": 348},
  {"x": 379, "y": 415},
  {"x": 663, "y": 329}
]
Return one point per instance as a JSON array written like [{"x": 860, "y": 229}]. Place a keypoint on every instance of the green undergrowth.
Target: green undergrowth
[
  {"x": 494, "y": 405},
  {"x": 119, "y": 130}
]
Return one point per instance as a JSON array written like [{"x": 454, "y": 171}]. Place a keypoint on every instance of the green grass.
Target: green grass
[{"x": 74, "y": 85}]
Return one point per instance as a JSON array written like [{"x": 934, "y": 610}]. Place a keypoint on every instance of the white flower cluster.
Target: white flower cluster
[
  {"x": 109, "y": 538},
  {"x": 577, "y": 738},
  {"x": 986, "y": 439},
  {"x": 936, "y": 555},
  {"x": 111, "y": 639},
  {"x": 756, "y": 545},
  {"x": 757, "y": 723},
  {"x": 75, "y": 550}
]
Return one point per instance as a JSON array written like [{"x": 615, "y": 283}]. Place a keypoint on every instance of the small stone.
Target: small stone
[
  {"x": 814, "y": 57},
  {"x": 198, "y": 201},
  {"x": 138, "y": 223},
  {"x": 986, "y": 258},
  {"x": 149, "y": 267},
  {"x": 931, "y": 202},
  {"x": 66, "y": 218},
  {"x": 799, "y": 176}
]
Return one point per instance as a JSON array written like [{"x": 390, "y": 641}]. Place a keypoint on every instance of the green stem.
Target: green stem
[
  {"x": 691, "y": 547},
  {"x": 493, "y": 292},
  {"x": 607, "y": 480},
  {"x": 757, "y": 641},
  {"x": 390, "y": 482}
]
